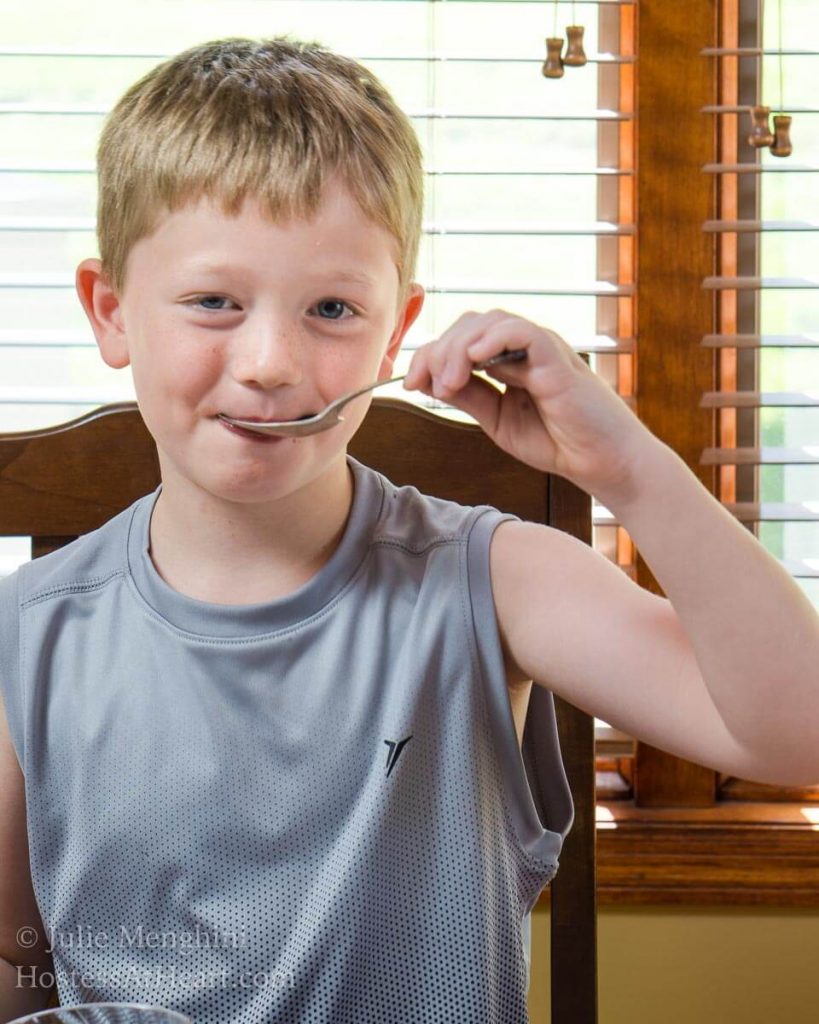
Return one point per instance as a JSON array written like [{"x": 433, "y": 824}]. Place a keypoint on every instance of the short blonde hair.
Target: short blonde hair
[{"x": 271, "y": 119}]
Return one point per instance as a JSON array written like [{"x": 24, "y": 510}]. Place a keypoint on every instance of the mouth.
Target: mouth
[
  {"x": 266, "y": 419},
  {"x": 251, "y": 435}
]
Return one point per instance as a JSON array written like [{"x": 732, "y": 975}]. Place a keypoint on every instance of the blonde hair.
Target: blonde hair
[{"x": 271, "y": 119}]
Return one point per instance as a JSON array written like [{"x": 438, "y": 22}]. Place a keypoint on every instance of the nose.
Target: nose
[{"x": 267, "y": 357}]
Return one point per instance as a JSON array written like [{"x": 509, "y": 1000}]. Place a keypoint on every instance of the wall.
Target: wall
[{"x": 692, "y": 965}]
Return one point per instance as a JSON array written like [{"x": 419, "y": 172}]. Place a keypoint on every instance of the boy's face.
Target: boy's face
[{"x": 257, "y": 320}]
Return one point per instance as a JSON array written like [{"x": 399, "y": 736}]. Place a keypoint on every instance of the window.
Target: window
[
  {"x": 513, "y": 187},
  {"x": 721, "y": 320},
  {"x": 767, "y": 305},
  {"x": 529, "y": 180}
]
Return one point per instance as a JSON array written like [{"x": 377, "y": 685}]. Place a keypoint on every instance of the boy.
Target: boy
[{"x": 199, "y": 692}]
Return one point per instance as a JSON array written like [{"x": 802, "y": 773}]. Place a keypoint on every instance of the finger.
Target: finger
[
  {"x": 418, "y": 375},
  {"x": 444, "y": 360},
  {"x": 428, "y": 360},
  {"x": 479, "y": 399},
  {"x": 509, "y": 333},
  {"x": 515, "y": 332},
  {"x": 457, "y": 364},
  {"x": 445, "y": 356}
]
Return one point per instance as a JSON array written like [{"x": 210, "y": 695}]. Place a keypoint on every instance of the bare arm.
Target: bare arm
[
  {"x": 755, "y": 634},
  {"x": 728, "y": 662},
  {"x": 722, "y": 671},
  {"x": 18, "y": 907}
]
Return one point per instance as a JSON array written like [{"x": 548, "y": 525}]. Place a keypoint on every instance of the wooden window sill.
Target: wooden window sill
[{"x": 734, "y": 853}]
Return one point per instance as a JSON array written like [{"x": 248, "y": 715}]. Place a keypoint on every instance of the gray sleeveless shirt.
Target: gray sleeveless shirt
[{"x": 308, "y": 810}]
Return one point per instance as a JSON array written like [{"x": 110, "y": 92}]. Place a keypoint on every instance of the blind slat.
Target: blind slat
[
  {"x": 761, "y": 341},
  {"x": 83, "y": 340},
  {"x": 604, "y": 3},
  {"x": 753, "y": 51},
  {"x": 552, "y": 172},
  {"x": 592, "y": 228},
  {"x": 717, "y": 108},
  {"x": 760, "y": 225},
  {"x": 766, "y": 168},
  {"x": 432, "y": 58},
  {"x": 763, "y": 456},
  {"x": 39, "y": 282},
  {"x": 805, "y": 568},
  {"x": 37, "y": 110},
  {"x": 758, "y": 399},
  {"x": 757, "y": 283},
  {"x": 774, "y": 511},
  {"x": 75, "y": 340},
  {"x": 745, "y": 512}
]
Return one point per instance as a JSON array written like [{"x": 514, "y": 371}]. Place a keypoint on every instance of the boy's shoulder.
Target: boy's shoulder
[
  {"x": 413, "y": 518},
  {"x": 88, "y": 560}
]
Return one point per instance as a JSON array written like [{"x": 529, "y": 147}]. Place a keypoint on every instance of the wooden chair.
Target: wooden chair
[{"x": 64, "y": 481}]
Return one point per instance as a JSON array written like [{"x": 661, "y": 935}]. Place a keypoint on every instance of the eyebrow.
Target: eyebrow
[
  {"x": 356, "y": 276},
  {"x": 353, "y": 275}
]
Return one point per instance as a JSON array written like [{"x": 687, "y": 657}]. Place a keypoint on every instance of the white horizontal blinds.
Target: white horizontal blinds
[
  {"x": 512, "y": 165},
  {"x": 616, "y": 257},
  {"x": 768, "y": 288}
]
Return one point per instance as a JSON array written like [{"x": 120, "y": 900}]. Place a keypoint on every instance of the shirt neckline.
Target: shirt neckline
[{"x": 235, "y": 621}]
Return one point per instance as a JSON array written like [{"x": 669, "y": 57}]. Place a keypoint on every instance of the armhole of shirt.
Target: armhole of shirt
[
  {"x": 10, "y": 660},
  {"x": 536, "y": 790}
]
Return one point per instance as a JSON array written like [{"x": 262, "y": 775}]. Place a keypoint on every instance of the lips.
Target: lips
[
  {"x": 266, "y": 419},
  {"x": 251, "y": 434}
]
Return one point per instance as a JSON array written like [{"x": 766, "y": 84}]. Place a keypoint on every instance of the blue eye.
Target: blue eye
[
  {"x": 336, "y": 306},
  {"x": 207, "y": 301}
]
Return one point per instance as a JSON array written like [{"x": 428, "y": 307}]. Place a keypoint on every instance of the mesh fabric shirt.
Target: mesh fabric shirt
[{"x": 308, "y": 810}]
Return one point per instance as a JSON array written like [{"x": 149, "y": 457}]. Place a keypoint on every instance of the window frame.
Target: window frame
[{"x": 668, "y": 830}]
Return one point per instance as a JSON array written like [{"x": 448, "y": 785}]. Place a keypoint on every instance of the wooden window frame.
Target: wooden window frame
[{"x": 670, "y": 831}]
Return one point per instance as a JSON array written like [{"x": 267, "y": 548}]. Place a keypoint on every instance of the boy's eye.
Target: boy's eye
[
  {"x": 334, "y": 309},
  {"x": 211, "y": 301}
]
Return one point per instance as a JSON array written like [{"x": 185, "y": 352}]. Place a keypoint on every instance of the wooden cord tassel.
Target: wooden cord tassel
[
  {"x": 782, "y": 138},
  {"x": 553, "y": 65},
  {"x": 761, "y": 134},
  {"x": 575, "y": 54}
]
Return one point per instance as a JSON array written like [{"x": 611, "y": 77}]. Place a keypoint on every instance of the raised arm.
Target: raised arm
[{"x": 725, "y": 671}]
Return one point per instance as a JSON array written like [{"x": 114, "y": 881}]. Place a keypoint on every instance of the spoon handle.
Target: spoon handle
[
  {"x": 515, "y": 355},
  {"x": 509, "y": 356}
]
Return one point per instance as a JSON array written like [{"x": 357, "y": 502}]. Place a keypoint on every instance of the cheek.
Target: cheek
[
  {"x": 336, "y": 371},
  {"x": 170, "y": 372},
  {"x": 197, "y": 366}
]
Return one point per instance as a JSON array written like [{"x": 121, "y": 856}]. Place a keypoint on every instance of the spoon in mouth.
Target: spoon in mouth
[{"x": 331, "y": 415}]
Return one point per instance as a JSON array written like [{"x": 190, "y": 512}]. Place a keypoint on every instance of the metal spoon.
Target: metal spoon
[{"x": 330, "y": 416}]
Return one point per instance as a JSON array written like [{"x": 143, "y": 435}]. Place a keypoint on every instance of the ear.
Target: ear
[
  {"x": 102, "y": 307},
  {"x": 407, "y": 315}
]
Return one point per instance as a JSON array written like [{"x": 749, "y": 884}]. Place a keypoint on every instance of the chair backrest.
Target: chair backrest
[{"x": 61, "y": 482}]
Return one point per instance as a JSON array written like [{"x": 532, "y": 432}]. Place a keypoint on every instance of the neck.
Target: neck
[{"x": 224, "y": 552}]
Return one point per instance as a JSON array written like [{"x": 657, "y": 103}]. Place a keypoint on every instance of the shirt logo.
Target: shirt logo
[{"x": 395, "y": 752}]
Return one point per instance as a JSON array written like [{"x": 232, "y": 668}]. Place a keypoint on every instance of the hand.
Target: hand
[{"x": 556, "y": 414}]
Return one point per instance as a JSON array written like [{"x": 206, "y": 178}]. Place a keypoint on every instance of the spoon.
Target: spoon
[{"x": 331, "y": 415}]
